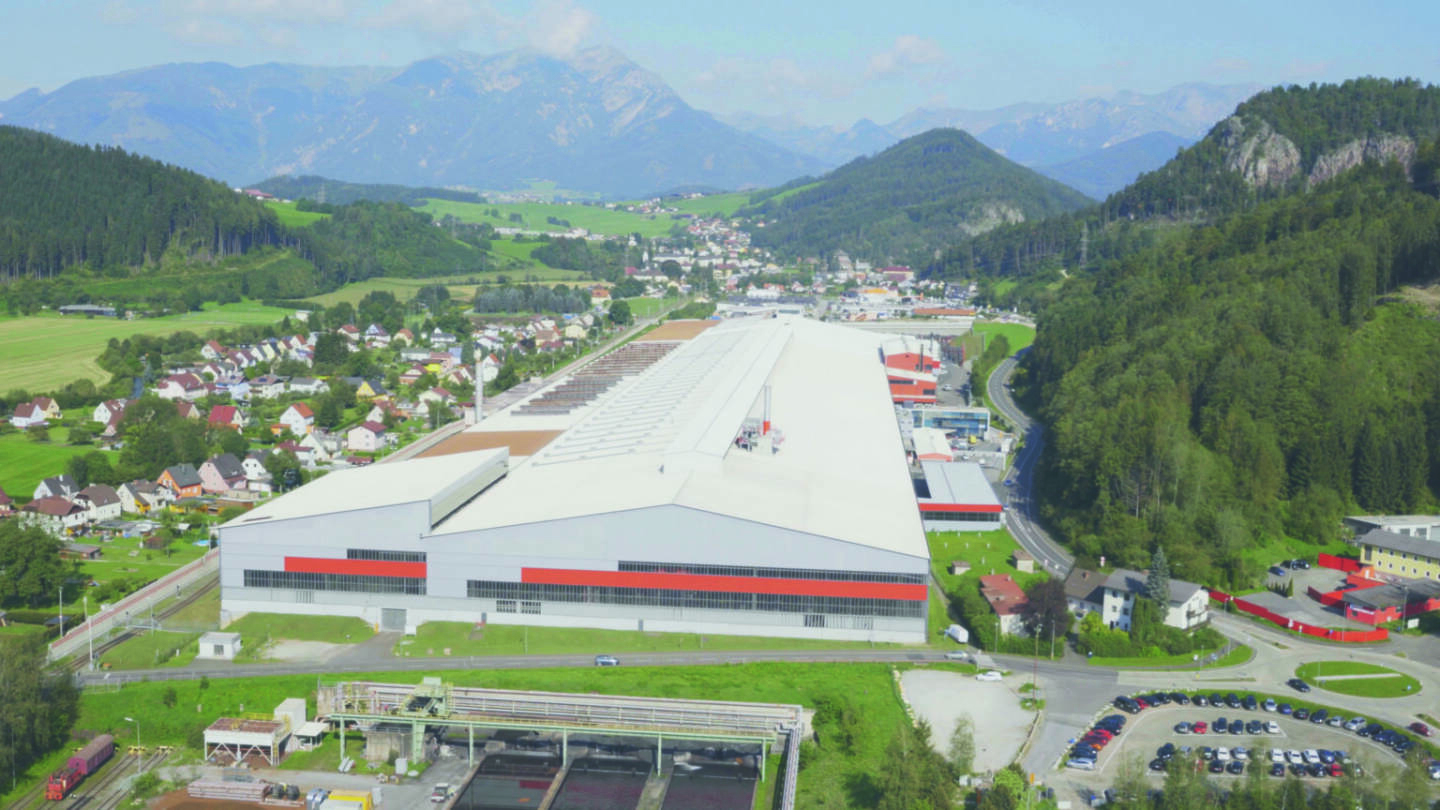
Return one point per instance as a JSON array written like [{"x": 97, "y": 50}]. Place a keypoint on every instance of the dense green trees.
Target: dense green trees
[
  {"x": 1245, "y": 378},
  {"x": 532, "y": 298},
  {"x": 31, "y": 571},
  {"x": 63, "y": 205},
  {"x": 925, "y": 191},
  {"x": 37, "y": 706}
]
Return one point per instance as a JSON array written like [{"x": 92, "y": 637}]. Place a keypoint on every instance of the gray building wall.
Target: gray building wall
[{"x": 665, "y": 533}]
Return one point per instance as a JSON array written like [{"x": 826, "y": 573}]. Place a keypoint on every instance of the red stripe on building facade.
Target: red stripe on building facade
[
  {"x": 362, "y": 568},
  {"x": 961, "y": 507},
  {"x": 723, "y": 584}
]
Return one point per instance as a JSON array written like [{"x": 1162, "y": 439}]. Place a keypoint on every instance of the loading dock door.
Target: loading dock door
[{"x": 392, "y": 619}]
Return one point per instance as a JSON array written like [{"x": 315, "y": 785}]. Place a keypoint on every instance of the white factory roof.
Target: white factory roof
[
  {"x": 667, "y": 436},
  {"x": 931, "y": 441},
  {"x": 437, "y": 481},
  {"x": 958, "y": 482}
]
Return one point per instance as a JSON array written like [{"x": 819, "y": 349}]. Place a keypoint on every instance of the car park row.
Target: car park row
[{"x": 1310, "y": 762}]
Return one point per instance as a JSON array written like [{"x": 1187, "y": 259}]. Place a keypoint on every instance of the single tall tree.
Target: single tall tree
[{"x": 1157, "y": 582}]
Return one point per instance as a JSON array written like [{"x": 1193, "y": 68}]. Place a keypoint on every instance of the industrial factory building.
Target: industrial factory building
[{"x": 745, "y": 477}]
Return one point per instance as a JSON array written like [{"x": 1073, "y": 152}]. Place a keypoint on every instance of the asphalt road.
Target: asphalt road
[{"x": 1023, "y": 515}]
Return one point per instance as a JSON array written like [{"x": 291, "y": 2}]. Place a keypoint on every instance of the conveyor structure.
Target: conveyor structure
[{"x": 435, "y": 704}]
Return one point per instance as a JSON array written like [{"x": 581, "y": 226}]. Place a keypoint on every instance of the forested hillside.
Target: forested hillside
[
  {"x": 1257, "y": 377},
  {"x": 1280, "y": 142},
  {"x": 80, "y": 224},
  {"x": 62, "y": 205},
  {"x": 925, "y": 191}
]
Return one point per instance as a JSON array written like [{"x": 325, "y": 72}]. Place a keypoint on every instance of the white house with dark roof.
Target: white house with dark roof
[
  {"x": 1188, "y": 606},
  {"x": 56, "y": 485},
  {"x": 101, "y": 501}
]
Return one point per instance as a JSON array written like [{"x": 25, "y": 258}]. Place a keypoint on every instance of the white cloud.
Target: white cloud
[
  {"x": 908, "y": 51},
  {"x": 558, "y": 27}
]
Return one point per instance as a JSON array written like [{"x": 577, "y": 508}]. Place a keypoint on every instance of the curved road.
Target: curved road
[{"x": 1023, "y": 516}]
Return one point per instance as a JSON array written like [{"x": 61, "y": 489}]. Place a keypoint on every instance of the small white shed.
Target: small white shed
[{"x": 222, "y": 646}]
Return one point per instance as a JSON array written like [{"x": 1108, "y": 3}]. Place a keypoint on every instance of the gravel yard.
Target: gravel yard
[{"x": 1000, "y": 724}]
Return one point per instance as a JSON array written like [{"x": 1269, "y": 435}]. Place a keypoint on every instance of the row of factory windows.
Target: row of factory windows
[
  {"x": 384, "y": 555},
  {"x": 771, "y": 573},
  {"x": 708, "y": 600},
  {"x": 965, "y": 517},
  {"x": 351, "y": 583}
]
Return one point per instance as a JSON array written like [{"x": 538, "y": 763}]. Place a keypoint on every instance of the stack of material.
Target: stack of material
[{"x": 236, "y": 791}]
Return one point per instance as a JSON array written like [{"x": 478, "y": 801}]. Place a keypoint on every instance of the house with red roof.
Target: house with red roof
[
  {"x": 55, "y": 514},
  {"x": 299, "y": 419},
  {"x": 187, "y": 410},
  {"x": 228, "y": 416},
  {"x": 7, "y": 504},
  {"x": 367, "y": 437},
  {"x": 1008, "y": 601},
  {"x": 184, "y": 386},
  {"x": 27, "y": 414}
]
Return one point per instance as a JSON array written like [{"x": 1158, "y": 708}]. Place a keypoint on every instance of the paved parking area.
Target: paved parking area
[
  {"x": 1000, "y": 724},
  {"x": 1154, "y": 727},
  {"x": 1301, "y": 607}
]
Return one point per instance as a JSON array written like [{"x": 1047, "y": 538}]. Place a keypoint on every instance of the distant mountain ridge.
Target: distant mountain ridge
[
  {"x": 593, "y": 122},
  {"x": 1079, "y": 135},
  {"x": 919, "y": 195}
]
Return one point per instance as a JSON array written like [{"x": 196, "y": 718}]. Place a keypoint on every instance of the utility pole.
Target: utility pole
[
  {"x": 61, "y": 605},
  {"x": 90, "y": 628}
]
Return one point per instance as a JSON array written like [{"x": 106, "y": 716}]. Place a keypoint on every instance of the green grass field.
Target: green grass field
[
  {"x": 1017, "y": 334},
  {"x": 152, "y": 650},
  {"x": 275, "y": 626},
  {"x": 834, "y": 775},
  {"x": 596, "y": 219},
  {"x": 647, "y": 307},
  {"x": 290, "y": 217},
  {"x": 987, "y": 552},
  {"x": 44, "y": 352},
  {"x": 23, "y": 463},
  {"x": 123, "y": 558},
  {"x": 1237, "y": 655},
  {"x": 723, "y": 204},
  {"x": 1385, "y": 682},
  {"x": 463, "y": 639}
]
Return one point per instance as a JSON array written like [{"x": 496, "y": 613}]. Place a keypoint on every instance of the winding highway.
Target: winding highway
[{"x": 1023, "y": 516}]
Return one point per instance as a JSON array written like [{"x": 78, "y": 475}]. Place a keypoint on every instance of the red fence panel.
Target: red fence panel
[{"x": 1346, "y": 564}]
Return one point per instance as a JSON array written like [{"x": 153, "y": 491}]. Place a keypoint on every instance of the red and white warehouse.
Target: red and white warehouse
[
  {"x": 912, "y": 365},
  {"x": 956, "y": 497},
  {"x": 741, "y": 478}
]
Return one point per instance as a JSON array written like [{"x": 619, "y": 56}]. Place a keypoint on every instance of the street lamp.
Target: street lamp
[
  {"x": 61, "y": 605},
  {"x": 137, "y": 739}
]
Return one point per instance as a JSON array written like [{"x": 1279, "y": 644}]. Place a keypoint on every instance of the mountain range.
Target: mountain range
[
  {"x": 594, "y": 122},
  {"x": 1096, "y": 145}
]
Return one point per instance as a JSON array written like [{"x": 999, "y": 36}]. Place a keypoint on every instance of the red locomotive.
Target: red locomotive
[{"x": 85, "y": 763}]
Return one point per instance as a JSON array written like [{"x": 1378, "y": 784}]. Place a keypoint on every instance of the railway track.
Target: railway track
[
  {"x": 105, "y": 794},
  {"x": 79, "y": 662}
]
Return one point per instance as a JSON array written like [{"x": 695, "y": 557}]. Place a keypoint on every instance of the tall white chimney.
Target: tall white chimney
[{"x": 479, "y": 392}]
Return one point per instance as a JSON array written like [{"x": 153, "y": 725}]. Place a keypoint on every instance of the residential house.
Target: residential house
[
  {"x": 141, "y": 496},
  {"x": 376, "y": 336},
  {"x": 212, "y": 350},
  {"x": 7, "y": 507},
  {"x": 54, "y": 514},
  {"x": 182, "y": 479},
  {"x": 440, "y": 339},
  {"x": 305, "y": 455},
  {"x": 101, "y": 501},
  {"x": 437, "y": 396},
  {"x": 1008, "y": 601},
  {"x": 253, "y": 465},
  {"x": 184, "y": 386},
  {"x": 366, "y": 389},
  {"x": 62, "y": 486},
  {"x": 1084, "y": 591},
  {"x": 415, "y": 354},
  {"x": 321, "y": 444},
  {"x": 575, "y": 331},
  {"x": 267, "y": 386},
  {"x": 187, "y": 410},
  {"x": 228, "y": 416},
  {"x": 404, "y": 336},
  {"x": 1410, "y": 554},
  {"x": 79, "y": 551},
  {"x": 27, "y": 415},
  {"x": 380, "y": 410},
  {"x": 350, "y": 333},
  {"x": 47, "y": 406},
  {"x": 367, "y": 437},
  {"x": 410, "y": 375},
  {"x": 222, "y": 473},
  {"x": 108, "y": 410},
  {"x": 308, "y": 386},
  {"x": 599, "y": 296},
  {"x": 1188, "y": 604},
  {"x": 298, "y": 418}
]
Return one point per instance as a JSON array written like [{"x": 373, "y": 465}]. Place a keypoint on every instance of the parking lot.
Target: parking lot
[
  {"x": 1154, "y": 727},
  {"x": 1301, "y": 607}
]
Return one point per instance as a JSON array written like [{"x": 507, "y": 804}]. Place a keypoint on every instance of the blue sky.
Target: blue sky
[{"x": 822, "y": 62}]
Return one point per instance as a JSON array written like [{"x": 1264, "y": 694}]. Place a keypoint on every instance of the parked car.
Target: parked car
[
  {"x": 1216, "y": 766},
  {"x": 1201, "y": 701},
  {"x": 1269, "y": 705},
  {"x": 1199, "y": 727},
  {"x": 1298, "y": 685},
  {"x": 1277, "y": 755},
  {"x": 1182, "y": 728},
  {"x": 989, "y": 675},
  {"x": 1277, "y": 770},
  {"x": 440, "y": 793},
  {"x": 1335, "y": 721},
  {"x": 1157, "y": 764},
  {"x": 1295, "y": 757},
  {"x": 1272, "y": 727},
  {"x": 1301, "y": 713},
  {"x": 1320, "y": 716},
  {"x": 1312, "y": 756},
  {"x": 1249, "y": 702},
  {"x": 1254, "y": 727},
  {"x": 1180, "y": 698},
  {"x": 1232, "y": 700},
  {"x": 1326, "y": 756},
  {"x": 1235, "y": 767},
  {"x": 1081, "y": 763},
  {"x": 1241, "y": 753},
  {"x": 1237, "y": 726},
  {"x": 1285, "y": 708},
  {"x": 1278, "y": 571},
  {"x": 1222, "y": 753},
  {"x": 1222, "y": 726},
  {"x": 1421, "y": 729}
]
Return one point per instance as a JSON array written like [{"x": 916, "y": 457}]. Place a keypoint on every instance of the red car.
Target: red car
[
  {"x": 1142, "y": 703},
  {"x": 1101, "y": 732},
  {"x": 1336, "y": 770},
  {"x": 1421, "y": 729},
  {"x": 1199, "y": 728}
]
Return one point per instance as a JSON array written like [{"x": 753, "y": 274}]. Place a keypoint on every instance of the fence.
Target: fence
[
  {"x": 1346, "y": 636},
  {"x": 1345, "y": 564}
]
